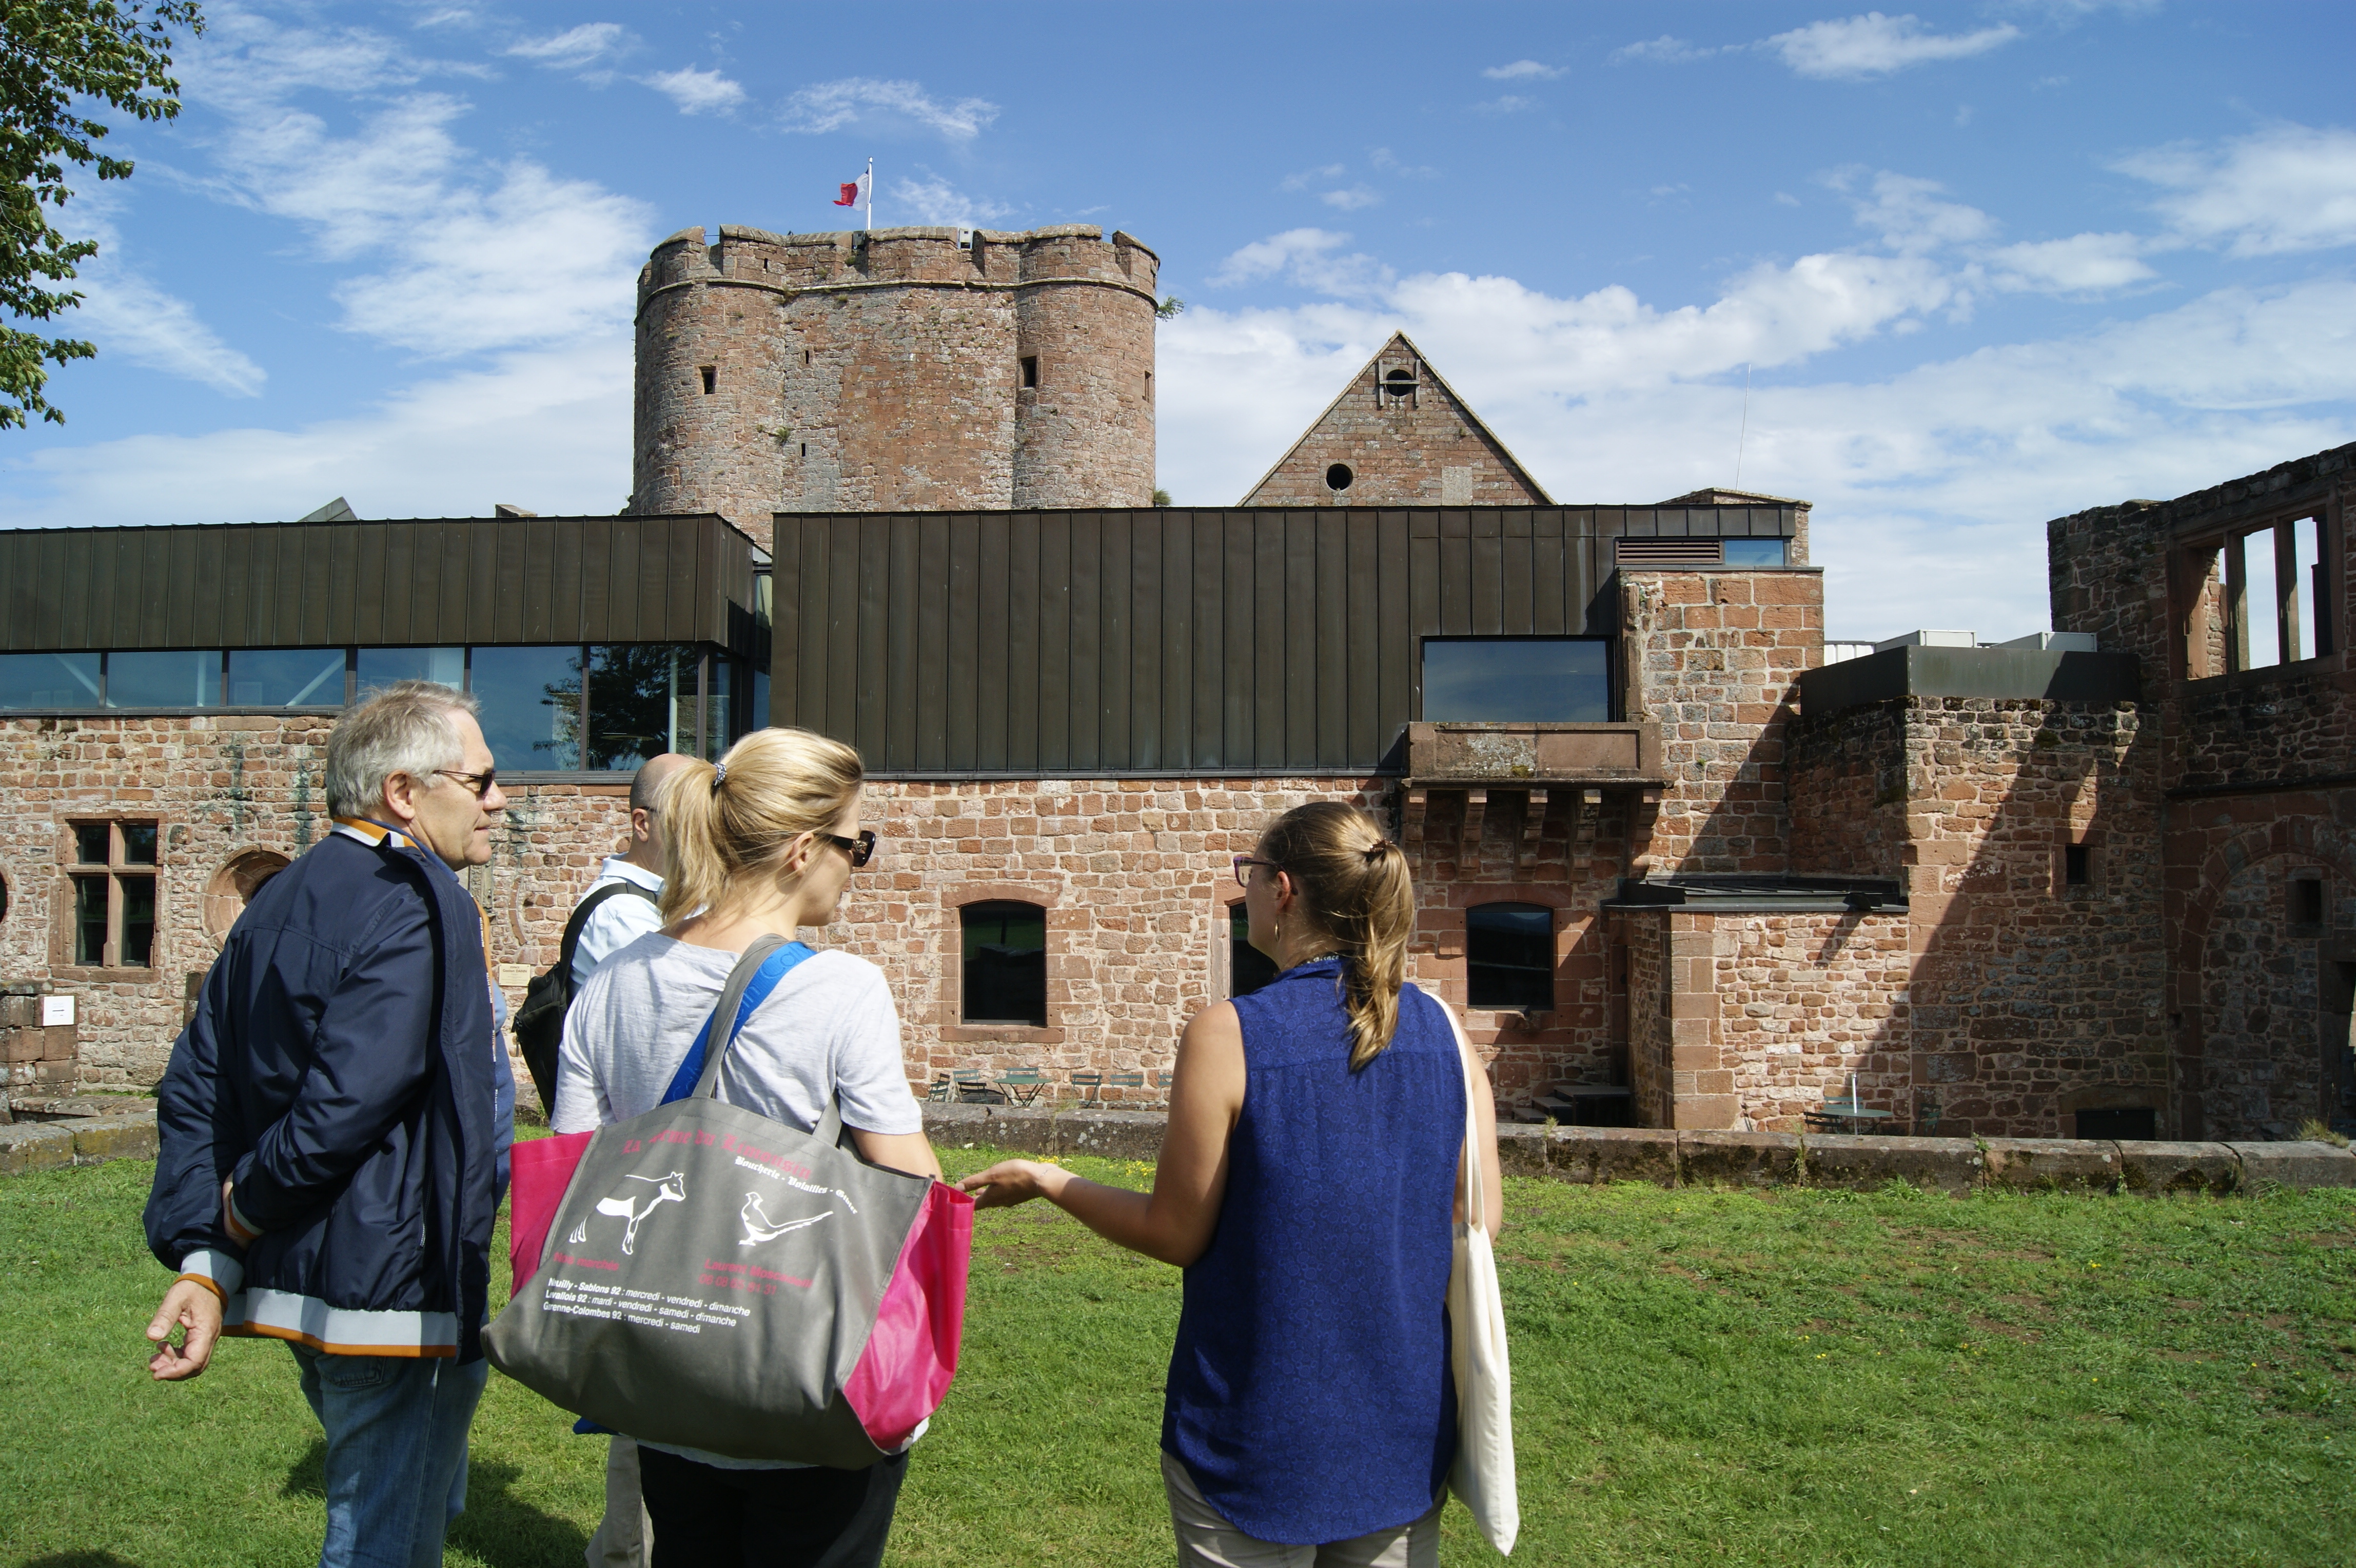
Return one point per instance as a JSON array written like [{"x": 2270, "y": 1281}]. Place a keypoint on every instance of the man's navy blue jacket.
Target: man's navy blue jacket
[{"x": 342, "y": 1069}]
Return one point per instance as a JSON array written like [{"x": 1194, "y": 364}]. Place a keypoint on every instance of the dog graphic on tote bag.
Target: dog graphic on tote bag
[{"x": 671, "y": 1188}]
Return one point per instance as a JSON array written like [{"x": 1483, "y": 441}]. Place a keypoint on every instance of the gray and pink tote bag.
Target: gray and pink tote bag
[{"x": 705, "y": 1277}]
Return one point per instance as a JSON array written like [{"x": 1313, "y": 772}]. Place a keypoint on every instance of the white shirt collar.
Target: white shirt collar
[{"x": 617, "y": 867}]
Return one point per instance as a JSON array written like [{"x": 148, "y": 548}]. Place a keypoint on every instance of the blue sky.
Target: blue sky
[{"x": 1986, "y": 264}]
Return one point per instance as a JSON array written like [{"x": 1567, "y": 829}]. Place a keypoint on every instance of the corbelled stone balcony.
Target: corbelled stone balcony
[{"x": 1535, "y": 763}]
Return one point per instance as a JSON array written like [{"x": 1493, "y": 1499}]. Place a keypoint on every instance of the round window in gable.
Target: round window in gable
[
  {"x": 1399, "y": 382},
  {"x": 1338, "y": 477}
]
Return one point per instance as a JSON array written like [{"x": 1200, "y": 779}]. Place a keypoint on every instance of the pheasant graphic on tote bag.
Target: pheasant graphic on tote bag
[{"x": 757, "y": 1227}]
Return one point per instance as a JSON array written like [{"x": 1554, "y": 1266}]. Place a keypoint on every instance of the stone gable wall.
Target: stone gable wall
[{"x": 1401, "y": 452}]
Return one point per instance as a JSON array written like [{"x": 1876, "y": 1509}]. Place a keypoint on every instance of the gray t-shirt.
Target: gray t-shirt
[{"x": 829, "y": 1027}]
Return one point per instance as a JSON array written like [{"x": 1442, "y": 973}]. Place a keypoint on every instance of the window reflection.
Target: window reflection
[
  {"x": 48, "y": 681},
  {"x": 1517, "y": 679},
  {"x": 175, "y": 679},
  {"x": 530, "y": 706},
  {"x": 383, "y": 666},
  {"x": 287, "y": 677},
  {"x": 1754, "y": 552},
  {"x": 641, "y": 702}
]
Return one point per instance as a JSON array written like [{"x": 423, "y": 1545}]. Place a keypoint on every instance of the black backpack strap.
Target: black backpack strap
[{"x": 579, "y": 921}]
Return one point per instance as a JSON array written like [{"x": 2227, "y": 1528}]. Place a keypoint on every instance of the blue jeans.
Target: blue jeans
[{"x": 396, "y": 1452}]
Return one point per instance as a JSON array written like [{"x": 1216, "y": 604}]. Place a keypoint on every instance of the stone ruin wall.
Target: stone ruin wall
[{"x": 867, "y": 372}]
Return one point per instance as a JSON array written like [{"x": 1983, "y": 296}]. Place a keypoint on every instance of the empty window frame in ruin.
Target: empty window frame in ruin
[
  {"x": 2257, "y": 598},
  {"x": 110, "y": 905}
]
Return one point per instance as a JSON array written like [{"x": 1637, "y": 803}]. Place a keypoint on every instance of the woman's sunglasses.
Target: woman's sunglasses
[{"x": 860, "y": 849}]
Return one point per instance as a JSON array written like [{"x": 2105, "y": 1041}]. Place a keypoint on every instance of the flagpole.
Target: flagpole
[{"x": 871, "y": 196}]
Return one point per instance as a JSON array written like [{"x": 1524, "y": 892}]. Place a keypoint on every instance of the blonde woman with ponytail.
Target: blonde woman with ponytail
[
  {"x": 762, "y": 844},
  {"x": 1309, "y": 1185}
]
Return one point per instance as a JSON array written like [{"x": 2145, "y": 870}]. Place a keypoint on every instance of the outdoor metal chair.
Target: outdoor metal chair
[
  {"x": 1022, "y": 1084},
  {"x": 1090, "y": 1083},
  {"x": 1124, "y": 1080},
  {"x": 974, "y": 1088}
]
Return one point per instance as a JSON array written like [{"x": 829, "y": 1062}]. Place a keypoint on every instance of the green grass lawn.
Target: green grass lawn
[{"x": 1700, "y": 1377}]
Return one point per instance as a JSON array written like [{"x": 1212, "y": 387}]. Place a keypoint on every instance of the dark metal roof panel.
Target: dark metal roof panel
[{"x": 427, "y": 582}]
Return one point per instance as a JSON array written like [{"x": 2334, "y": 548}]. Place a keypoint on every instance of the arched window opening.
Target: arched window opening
[
  {"x": 1005, "y": 963},
  {"x": 232, "y": 887},
  {"x": 1509, "y": 957}
]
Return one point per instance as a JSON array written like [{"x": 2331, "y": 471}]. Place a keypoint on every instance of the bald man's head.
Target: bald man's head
[{"x": 646, "y": 849}]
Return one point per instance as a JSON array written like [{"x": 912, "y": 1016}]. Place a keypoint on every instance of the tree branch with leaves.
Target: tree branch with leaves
[{"x": 58, "y": 57}]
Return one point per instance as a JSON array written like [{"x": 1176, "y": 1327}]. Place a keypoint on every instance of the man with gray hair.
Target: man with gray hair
[{"x": 334, "y": 1123}]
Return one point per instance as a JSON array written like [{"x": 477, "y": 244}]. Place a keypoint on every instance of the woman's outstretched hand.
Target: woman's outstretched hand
[{"x": 1010, "y": 1182}]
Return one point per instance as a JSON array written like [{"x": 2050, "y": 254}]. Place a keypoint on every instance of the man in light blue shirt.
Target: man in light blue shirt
[
  {"x": 617, "y": 922},
  {"x": 623, "y": 1537}
]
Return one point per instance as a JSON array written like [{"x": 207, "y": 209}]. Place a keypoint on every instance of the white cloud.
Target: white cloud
[
  {"x": 1352, "y": 197},
  {"x": 1785, "y": 199},
  {"x": 832, "y": 106},
  {"x": 1307, "y": 258},
  {"x": 936, "y": 202},
  {"x": 128, "y": 316},
  {"x": 575, "y": 48},
  {"x": 550, "y": 429},
  {"x": 1876, "y": 45},
  {"x": 2287, "y": 188},
  {"x": 2082, "y": 263},
  {"x": 1523, "y": 71},
  {"x": 1662, "y": 50},
  {"x": 697, "y": 92},
  {"x": 1310, "y": 177},
  {"x": 1907, "y": 211},
  {"x": 1389, "y": 163},
  {"x": 1509, "y": 104},
  {"x": 1932, "y": 485}
]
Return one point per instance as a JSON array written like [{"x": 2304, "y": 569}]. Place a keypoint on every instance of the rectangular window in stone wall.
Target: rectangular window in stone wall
[
  {"x": 1248, "y": 969},
  {"x": 1005, "y": 963},
  {"x": 36, "y": 681},
  {"x": 111, "y": 913},
  {"x": 642, "y": 701},
  {"x": 1501, "y": 679},
  {"x": 2256, "y": 600},
  {"x": 1509, "y": 957}
]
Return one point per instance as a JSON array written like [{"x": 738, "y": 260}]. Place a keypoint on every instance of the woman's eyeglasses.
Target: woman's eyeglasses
[
  {"x": 1244, "y": 864},
  {"x": 860, "y": 849}
]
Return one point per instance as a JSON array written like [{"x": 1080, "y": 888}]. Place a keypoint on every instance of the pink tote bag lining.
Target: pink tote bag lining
[
  {"x": 539, "y": 1171},
  {"x": 902, "y": 1376}
]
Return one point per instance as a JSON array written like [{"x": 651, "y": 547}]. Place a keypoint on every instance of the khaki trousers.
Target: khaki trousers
[
  {"x": 626, "y": 1537},
  {"x": 1205, "y": 1539}
]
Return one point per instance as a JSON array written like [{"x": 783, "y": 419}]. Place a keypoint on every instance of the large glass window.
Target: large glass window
[
  {"x": 286, "y": 678},
  {"x": 1510, "y": 678},
  {"x": 1005, "y": 963},
  {"x": 48, "y": 681},
  {"x": 1753, "y": 552},
  {"x": 114, "y": 907},
  {"x": 530, "y": 706},
  {"x": 1509, "y": 957},
  {"x": 641, "y": 702},
  {"x": 1248, "y": 969},
  {"x": 383, "y": 666},
  {"x": 175, "y": 679}
]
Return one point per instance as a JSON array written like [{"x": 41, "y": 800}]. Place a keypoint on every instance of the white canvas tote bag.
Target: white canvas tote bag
[{"x": 1482, "y": 1473}]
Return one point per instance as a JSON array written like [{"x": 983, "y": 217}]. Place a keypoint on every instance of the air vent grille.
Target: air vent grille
[{"x": 1668, "y": 553}]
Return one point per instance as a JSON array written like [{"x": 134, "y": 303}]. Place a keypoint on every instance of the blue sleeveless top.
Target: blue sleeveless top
[{"x": 1310, "y": 1394}]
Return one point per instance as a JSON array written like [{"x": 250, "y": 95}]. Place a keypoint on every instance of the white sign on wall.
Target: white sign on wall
[{"x": 57, "y": 1011}]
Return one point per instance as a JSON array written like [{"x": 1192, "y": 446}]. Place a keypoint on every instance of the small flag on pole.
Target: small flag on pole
[{"x": 854, "y": 192}]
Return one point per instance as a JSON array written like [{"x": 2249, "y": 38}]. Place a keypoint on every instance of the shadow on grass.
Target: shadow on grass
[
  {"x": 498, "y": 1528},
  {"x": 80, "y": 1559}
]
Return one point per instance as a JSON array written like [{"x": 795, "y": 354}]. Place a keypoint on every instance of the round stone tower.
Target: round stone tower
[{"x": 902, "y": 370}]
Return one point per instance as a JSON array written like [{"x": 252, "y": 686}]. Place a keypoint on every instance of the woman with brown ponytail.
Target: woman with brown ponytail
[
  {"x": 1309, "y": 1185},
  {"x": 763, "y": 844}
]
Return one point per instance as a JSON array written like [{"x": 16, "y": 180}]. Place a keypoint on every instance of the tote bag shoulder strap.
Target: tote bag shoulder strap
[
  {"x": 756, "y": 973},
  {"x": 1476, "y": 1211}
]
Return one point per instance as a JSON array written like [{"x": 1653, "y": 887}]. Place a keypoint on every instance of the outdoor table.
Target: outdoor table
[{"x": 1851, "y": 1111}]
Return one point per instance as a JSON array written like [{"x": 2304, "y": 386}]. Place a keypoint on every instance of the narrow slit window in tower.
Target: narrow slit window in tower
[
  {"x": 1030, "y": 369},
  {"x": 2077, "y": 865},
  {"x": 711, "y": 374},
  {"x": 2307, "y": 901}
]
